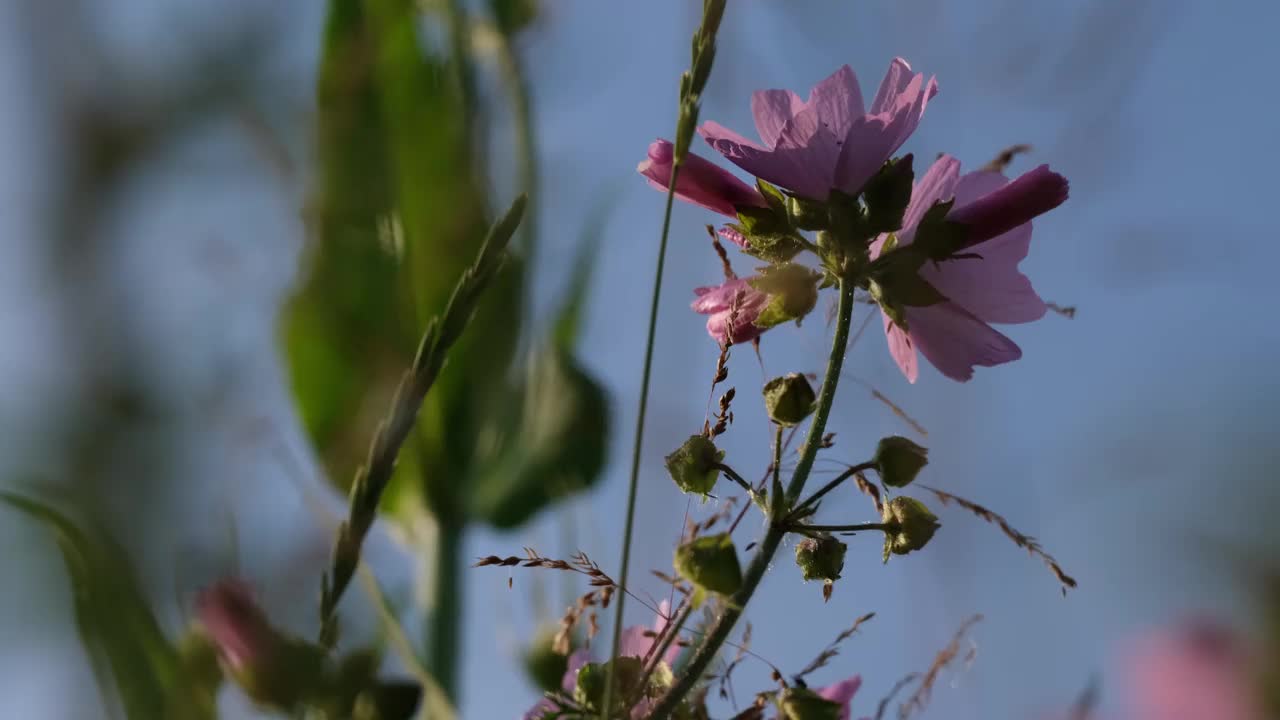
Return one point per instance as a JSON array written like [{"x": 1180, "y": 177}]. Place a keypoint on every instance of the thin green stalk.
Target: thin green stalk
[
  {"x": 814, "y": 498},
  {"x": 638, "y": 440},
  {"x": 723, "y": 626},
  {"x": 859, "y": 527},
  {"x": 444, "y": 616},
  {"x": 734, "y": 476},
  {"x": 692, "y": 83}
]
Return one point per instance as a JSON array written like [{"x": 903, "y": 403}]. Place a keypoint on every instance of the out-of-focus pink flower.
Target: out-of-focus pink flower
[
  {"x": 700, "y": 181},
  {"x": 637, "y": 641},
  {"x": 718, "y": 303},
  {"x": 842, "y": 692},
  {"x": 830, "y": 141},
  {"x": 1198, "y": 671},
  {"x": 237, "y": 627},
  {"x": 984, "y": 285}
]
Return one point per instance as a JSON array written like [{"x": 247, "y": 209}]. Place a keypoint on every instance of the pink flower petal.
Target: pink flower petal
[
  {"x": 842, "y": 692},
  {"x": 955, "y": 341},
  {"x": 937, "y": 184},
  {"x": 1195, "y": 672},
  {"x": 836, "y": 101},
  {"x": 771, "y": 110},
  {"x": 990, "y": 286},
  {"x": 895, "y": 83},
  {"x": 901, "y": 349}
]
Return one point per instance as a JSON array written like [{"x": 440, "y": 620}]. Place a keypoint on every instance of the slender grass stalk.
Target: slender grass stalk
[
  {"x": 372, "y": 478},
  {"x": 692, "y": 83},
  {"x": 814, "y": 498},
  {"x": 719, "y": 632}
]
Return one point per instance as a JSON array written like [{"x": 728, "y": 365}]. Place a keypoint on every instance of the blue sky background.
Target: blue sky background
[{"x": 1135, "y": 441}]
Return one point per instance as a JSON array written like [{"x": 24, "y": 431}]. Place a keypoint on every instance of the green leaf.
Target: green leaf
[
  {"x": 131, "y": 657},
  {"x": 554, "y": 447},
  {"x": 887, "y": 194},
  {"x": 769, "y": 235},
  {"x": 937, "y": 238}
]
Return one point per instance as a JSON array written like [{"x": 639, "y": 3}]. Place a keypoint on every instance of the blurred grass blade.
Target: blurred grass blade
[{"x": 130, "y": 655}]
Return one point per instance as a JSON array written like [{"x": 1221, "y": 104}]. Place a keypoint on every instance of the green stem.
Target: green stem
[
  {"x": 734, "y": 476},
  {"x": 853, "y": 470},
  {"x": 719, "y": 632},
  {"x": 444, "y": 616},
  {"x": 860, "y": 527},
  {"x": 634, "y": 483}
]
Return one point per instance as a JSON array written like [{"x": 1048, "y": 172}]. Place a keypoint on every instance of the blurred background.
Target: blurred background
[{"x": 178, "y": 208}]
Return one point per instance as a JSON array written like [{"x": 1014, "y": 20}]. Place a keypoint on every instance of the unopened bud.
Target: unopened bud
[
  {"x": 910, "y": 526},
  {"x": 789, "y": 399},
  {"x": 820, "y": 558},
  {"x": 711, "y": 563},
  {"x": 899, "y": 460},
  {"x": 804, "y": 704},
  {"x": 693, "y": 465}
]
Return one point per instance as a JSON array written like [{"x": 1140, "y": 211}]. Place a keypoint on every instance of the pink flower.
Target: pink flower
[
  {"x": 831, "y": 141},
  {"x": 718, "y": 303},
  {"x": 982, "y": 287},
  {"x": 236, "y": 626},
  {"x": 637, "y": 641},
  {"x": 842, "y": 692},
  {"x": 700, "y": 182},
  {"x": 1194, "y": 672}
]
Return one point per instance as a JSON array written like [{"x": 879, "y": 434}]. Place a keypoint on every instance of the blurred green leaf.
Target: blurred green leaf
[
  {"x": 555, "y": 447},
  {"x": 129, "y": 652}
]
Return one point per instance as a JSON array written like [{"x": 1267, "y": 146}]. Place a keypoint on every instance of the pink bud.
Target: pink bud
[
  {"x": 1033, "y": 193},
  {"x": 700, "y": 182},
  {"x": 235, "y": 624}
]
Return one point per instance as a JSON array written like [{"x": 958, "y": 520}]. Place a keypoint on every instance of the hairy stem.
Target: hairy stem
[
  {"x": 719, "y": 632},
  {"x": 734, "y": 476}
]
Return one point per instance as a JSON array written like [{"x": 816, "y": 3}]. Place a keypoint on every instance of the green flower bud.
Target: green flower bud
[
  {"x": 711, "y": 563},
  {"x": 911, "y": 525},
  {"x": 789, "y": 399},
  {"x": 820, "y": 558},
  {"x": 589, "y": 691},
  {"x": 792, "y": 290},
  {"x": 692, "y": 465},
  {"x": 805, "y": 704},
  {"x": 886, "y": 196},
  {"x": 899, "y": 460}
]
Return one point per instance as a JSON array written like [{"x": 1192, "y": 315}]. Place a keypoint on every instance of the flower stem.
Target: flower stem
[
  {"x": 860, "y": 527},
  {"x": 719, "y": 632},
  {"x": 809, "y": 502},
  {"x": 734, "y": 476}
]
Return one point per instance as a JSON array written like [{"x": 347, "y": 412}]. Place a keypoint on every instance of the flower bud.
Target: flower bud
[
  {"x": 820, "y": 558},
  {"x": 710, "y": 563},
  {"x": 271, "y": 668},
  {"x": 789, "y": 399},
  {"x": 887, "y": 195},
  {"x": 804, "y": 704},
  {"x": 899, "y": 460},
  {"x": 910, "y": 526},
  {"x": 792, "y": 290},
  {"x": 692, "y": 465}
]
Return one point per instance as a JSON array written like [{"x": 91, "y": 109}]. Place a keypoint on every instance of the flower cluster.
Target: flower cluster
[{"x": 939, "y": 254}]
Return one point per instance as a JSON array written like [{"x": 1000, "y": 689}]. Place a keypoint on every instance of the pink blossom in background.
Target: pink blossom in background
[
  {"x": 985, "y": 287},
  {"x": 700, "y": 181},
  {"x": 831, "y": 140},
  {"x": 236, "y": 626},
  {"x": 842, "y": 692},
  {"x": 637, "y": 641},
  {"x": 1196, "y": 671},
  {"x": 717, "y": 303}
]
